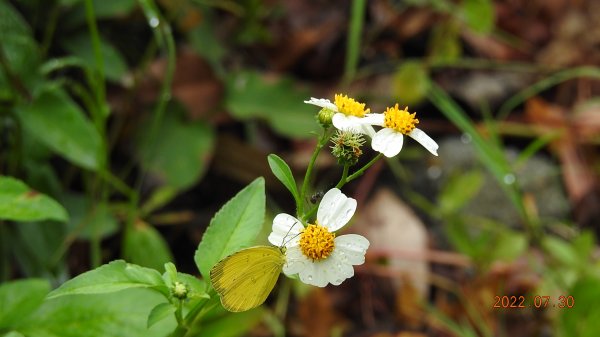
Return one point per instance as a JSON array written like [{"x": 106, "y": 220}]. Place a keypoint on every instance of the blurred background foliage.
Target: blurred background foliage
[{"x": 126, "y": 124}]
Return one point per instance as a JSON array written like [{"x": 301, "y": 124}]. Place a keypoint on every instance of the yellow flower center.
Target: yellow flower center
[
  {"x": 316, "y": 242},
  {"x": 348, "y": 106},
  {"x": 400, "y": 120}
]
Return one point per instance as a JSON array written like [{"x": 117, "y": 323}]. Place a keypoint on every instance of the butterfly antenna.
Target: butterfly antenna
[{"x": 283, "y": 242}]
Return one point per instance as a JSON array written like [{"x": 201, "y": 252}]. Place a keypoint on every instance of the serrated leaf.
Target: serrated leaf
[
  {"x": 249, "y": 95},
  {"x": 160, "y": 312},
  {"x": 81, "y": 46},
  {"x": 282, "y": 171},
  {"x": 114, "y": 276},
  {"x": 145, "y": 246},
  {"x": 410, "y": 83},
  {"x": 57, "y": 122},
  {"x": 121, "y": 314},
  {"x": 164, "y": 156},
  {"x": 19, "y": 299},
  {"x": 234, "y": 226},
  {"x": 479, "y": 15},
  {"x": 20, "y": 203}
]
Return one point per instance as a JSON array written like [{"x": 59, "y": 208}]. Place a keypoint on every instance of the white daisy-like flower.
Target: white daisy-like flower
[
  {"x": 396, "y": 123},
  {"x": 314, "y": 252},
  {"x": 348, "y": 113}
]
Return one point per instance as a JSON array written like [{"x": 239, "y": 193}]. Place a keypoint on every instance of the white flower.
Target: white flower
[
  {"x": 314, "y": 252},
  {"x": 397, "y": 123},
  {"x": 348, "y": 113}
]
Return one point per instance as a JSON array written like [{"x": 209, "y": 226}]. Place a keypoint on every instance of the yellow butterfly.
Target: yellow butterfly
[{"x": 245, "y": 279}]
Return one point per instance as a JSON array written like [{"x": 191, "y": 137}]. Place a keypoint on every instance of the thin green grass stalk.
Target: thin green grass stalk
[
  {"x": 492, "y": 157},
  {"x": 550, "y": 81},
  {"x": 353, "y": 43}
]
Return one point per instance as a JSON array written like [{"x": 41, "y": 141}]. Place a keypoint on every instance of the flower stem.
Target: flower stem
[
  {"x": 360, "y": 171},
  {"x": 344, "y": 177},
  {"x": 322, "y": 141}
]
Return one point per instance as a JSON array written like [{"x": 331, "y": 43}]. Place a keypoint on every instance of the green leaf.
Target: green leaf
[
  {"x": 165, "y": 156},
  {"x": 159, "y": 312},
  {"x": 57, "y": 122},
  {"x": 35, "y": 246},
  {"x": 233, "y": 227},
  {"x": 233, "y": 325},
  {"x": 444, "y": 43},
  {"x": 459, "y": 190},
  {"x": 159, "y": 198},
  {"x": 20, "y": 51},
  {"x": 282, "y": 171},
  {"x": 145, "y": 246},
  {"x": 80, "y": 45},
  {"x": 89, "y": 219},
  {"x": 509, "y": 245},
  {"x": 583, "y": 319},
  {"x": 479, "y": 15},
  {"x": 19, "y": 299},
  {"x": 410, "y": 83},
  {"x": 115, "y": 276},
  {"x": 561, "y": 250},
  {"x": 249, "y": 95},
  {"x": 120, "y": 314},
  {"x": 19, "y": 203}
]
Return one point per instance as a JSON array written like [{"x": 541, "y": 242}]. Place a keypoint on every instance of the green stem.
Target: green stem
[
  {"x": 322, "y": 141},
  {"x": 344, "y": 176},
  {"x": 362, "y": 169},
  {"x": 353, "y": 43}
]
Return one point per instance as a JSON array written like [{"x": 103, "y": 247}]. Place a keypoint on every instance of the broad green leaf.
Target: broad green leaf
[
  {"x": 120, "y": 314},
  {"x": 249, "y": 95},
  {"x": 233, "y": 325},
  {"x": 114, "y": 276},
  {"x": 282, "y": 171},
  {"x": 179, "y": 151},
  {"x": 159, "y": 312},
  {"x": 444, "y": 43},
  {"x": 89, "y": 219},
  {"x": 19, "y": 299},
  {"x": 410, "y": 83},
  {"x": 204, "y": 40},
  {"x": 233, "y": 227},
  {"x": 57, "y": 122},
  {"x": 19, "y": 50},
  {"x": 459, "y": 190},
  {"x": 479, "y": 15},
  {"x": 20, "y": 203},
  {"x": 509, "y": 245},
  {"x": 36, "y": 246},
  {"x": 159, "y": 198},
  {"x": 145, "y": 246},
  {"x": 81, "y": 46},
  {"x": 13, "y": 334}
]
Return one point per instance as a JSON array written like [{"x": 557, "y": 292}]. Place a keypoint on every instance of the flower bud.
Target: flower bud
[
  {"x": 324, "y": 117},
  {"x": 347, "y": 147},
  {"x": 179, "y": 290}
]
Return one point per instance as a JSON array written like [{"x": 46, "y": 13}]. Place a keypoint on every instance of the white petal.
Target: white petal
[
  {"x": 314, "y": 274},
  {"x": 351, "y": 248},
  {"x": 423, "y": 139},
  {"x": 350, "y": 123},
  {"x": 374, "y": 119},
  {"x": 286, "y": 230},
  {"x": 387, "y": 141},
  {"x": 337, "y": 269},
  {"x": 323, "y": 103},
  {"x": 295, "y": 261},
  {"x": 335, "y": 210}
]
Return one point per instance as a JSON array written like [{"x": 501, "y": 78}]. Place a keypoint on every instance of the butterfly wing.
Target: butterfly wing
[{"x": 245, "y": 279}]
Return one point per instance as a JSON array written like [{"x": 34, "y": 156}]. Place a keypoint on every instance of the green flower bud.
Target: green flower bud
[
  {"x": 347, "y": 147},
  {"x": 180, "y": 290},
  {"x": 324, "y": 117}
]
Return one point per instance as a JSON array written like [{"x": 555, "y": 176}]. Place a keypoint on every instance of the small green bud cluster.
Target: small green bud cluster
[
  {"x": 347, "y": 147},
  {"x": 179, "y": 290}
]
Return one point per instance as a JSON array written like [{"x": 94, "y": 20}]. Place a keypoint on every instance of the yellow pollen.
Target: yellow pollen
[
  {"x": 400, "y": 120},
  {"x": 316, "y": 242},
  {"x": 348, "y": 106}
]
